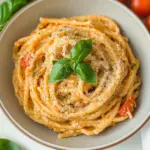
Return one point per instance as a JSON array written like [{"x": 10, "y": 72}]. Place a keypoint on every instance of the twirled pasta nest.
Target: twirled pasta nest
[{"x": 73, "y": 107}]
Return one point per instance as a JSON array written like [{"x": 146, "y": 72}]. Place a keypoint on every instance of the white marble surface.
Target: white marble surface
[{"x": 145, "y": 136}]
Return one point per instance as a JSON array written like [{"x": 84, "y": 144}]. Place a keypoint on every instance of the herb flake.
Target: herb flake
[{"x": 133, "y": 65}]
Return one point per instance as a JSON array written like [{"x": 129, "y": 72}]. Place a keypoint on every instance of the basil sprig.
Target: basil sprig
[
  {"x": 8, "y": 8},
  {"x": 64, "y": 67},
  {"x": 9, "y": 145}
]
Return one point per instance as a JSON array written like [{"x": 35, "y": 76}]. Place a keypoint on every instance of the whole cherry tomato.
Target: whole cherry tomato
[
  {"x": 147, "y": 22},
  {"x": 140, "y": 7},
  {"x": 123, "y": 1}
]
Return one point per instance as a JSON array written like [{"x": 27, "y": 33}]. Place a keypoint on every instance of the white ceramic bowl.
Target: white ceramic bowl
[{"x": 25, "y": 21}]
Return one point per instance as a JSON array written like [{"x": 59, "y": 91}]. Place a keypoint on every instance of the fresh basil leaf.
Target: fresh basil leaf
[
  {"x": 8, "y": 145},
  {"x": 61, "y": 70},
  {"x": 4, "y": 11},
  {"x": 81, "y": 50},
  {"x": 17, "y": 4},
  {"x": 8, "y": 8},
  {"x": 2, "y": 24},
  {"x": 85, "y": 72}
]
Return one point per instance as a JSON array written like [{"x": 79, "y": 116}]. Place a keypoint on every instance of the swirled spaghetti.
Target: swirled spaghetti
[{"x": 73, "y": 107}]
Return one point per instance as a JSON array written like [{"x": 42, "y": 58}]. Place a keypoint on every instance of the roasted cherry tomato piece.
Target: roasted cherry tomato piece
[
  {"x": 127, "y": 106},
  {"x": 25, "y": 61},
  {"x": 140, "y": 7}
]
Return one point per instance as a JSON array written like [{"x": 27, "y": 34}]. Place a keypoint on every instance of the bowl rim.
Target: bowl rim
[
  {"x": 61, "y": 147},
  {"x": 50, "y": 145}
]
